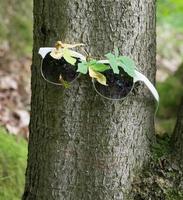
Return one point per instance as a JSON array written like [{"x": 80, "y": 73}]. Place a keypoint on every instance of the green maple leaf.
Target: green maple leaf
[
  {"x": 113, "y": 62},
  {"x": 92, "y": 62},
  {"x": 128, "y": 65},
  {"x": 83, "y": 67},
  {"x": 99, "y": 67},
  {"x": 68, "y": 56},
  {"x": 116, "y": 51}
]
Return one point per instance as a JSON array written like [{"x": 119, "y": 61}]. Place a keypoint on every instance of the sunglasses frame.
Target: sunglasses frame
[{"x": 138, "y": 75}]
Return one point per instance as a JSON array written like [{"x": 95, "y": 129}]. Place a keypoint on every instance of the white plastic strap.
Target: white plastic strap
[
  {"x": 43, "y": 51},
  {"x": 141, "y": 77}
]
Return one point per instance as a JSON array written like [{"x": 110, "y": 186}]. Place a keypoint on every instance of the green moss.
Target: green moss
[
  {"x": 173, "y": 194},
  {"x": 161, "y": 148},
  {"x": 162, "y": 178},
  {"x": 13, "y": 155}
]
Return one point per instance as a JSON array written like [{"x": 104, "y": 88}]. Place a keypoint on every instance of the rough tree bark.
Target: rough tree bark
[
  {"x": 82, "y": 146},
  {"x": 177, "y": 136}
]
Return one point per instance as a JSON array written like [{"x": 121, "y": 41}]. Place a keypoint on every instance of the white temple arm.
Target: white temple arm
[{"x": 141, "y": 77}]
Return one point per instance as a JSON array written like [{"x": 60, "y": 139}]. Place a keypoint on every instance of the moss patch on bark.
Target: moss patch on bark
[{"x": 162, "y": 179}]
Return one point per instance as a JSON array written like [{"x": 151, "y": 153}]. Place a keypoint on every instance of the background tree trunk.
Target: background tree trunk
[
  {"x": 177, "y": 136},
  {"x": 83, "y": 147}
]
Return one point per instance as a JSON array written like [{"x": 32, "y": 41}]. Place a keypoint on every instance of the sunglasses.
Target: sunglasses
[{"x": 119, "y": 86}]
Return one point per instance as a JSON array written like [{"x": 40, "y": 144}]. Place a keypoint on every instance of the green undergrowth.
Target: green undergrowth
[
  {"x": 13, "y": 155},
  {"x": 171, "y": 91}
]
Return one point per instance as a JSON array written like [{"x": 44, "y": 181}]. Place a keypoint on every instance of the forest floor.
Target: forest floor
[{"x": 14, "y": 92}]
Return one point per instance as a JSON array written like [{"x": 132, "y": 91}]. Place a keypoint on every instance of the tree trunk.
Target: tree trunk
[
  {"x": 177, "y": 136},
  {"x": 83, "y": 147}
]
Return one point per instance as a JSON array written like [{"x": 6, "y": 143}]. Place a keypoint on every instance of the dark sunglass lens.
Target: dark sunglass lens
[
  {"x": 53, "y": 70},
  {"x": 119, "y": 85}
]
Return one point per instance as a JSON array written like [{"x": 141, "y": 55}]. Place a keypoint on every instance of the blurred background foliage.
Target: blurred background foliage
[
  {"x": 170, "y": 12},
  {"x": 16, "y": 40},
  {"x": 169, "y": 62},
  {"x": 16, "y": 25}
]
